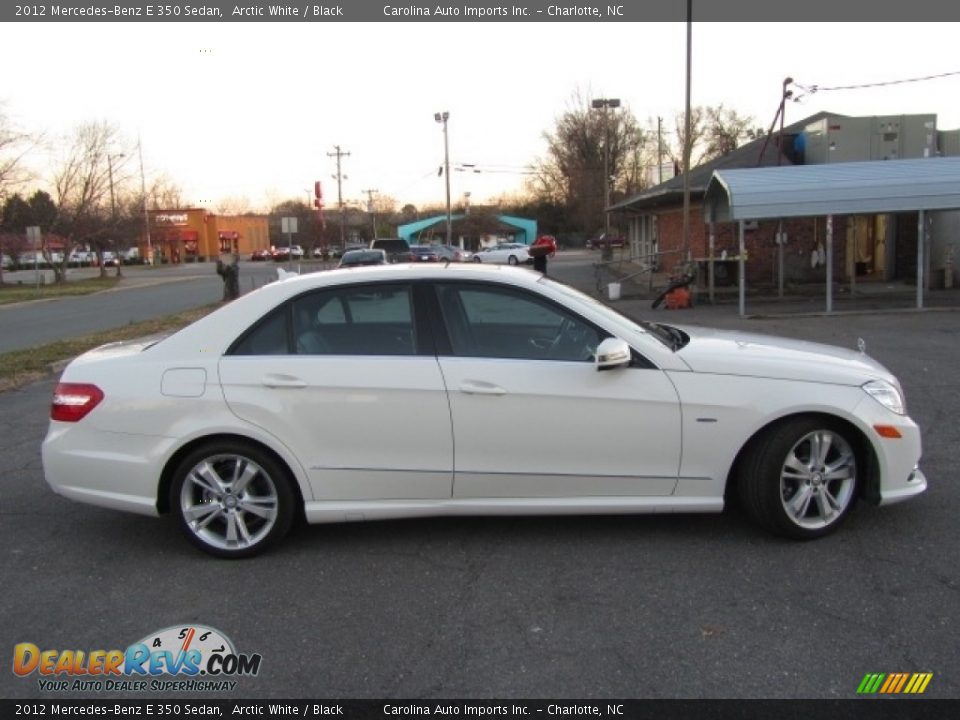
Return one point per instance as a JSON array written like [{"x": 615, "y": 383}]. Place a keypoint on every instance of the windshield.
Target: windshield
[{"x": 668, "y": 336}]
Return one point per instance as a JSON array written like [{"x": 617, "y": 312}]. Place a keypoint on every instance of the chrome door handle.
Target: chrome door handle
[
  {"x": 478, "y": 387},
  {"x": 283, "y": 381}
]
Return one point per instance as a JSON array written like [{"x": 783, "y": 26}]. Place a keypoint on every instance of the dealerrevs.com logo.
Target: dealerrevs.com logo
[{"x": 185, "y": 658}]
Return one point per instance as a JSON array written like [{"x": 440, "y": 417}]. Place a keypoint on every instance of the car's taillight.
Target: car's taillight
[{"x": 72, "y": 401}]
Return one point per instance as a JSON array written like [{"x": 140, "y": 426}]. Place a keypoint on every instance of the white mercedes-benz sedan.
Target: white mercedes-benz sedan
[{"x": 310, "y": 399}]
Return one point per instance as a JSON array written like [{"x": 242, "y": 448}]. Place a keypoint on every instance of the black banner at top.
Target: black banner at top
[{"x": 483, "y": 11}]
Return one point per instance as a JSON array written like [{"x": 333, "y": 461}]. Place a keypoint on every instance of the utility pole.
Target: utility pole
[
  {"x": 659, "y": 150},
  {"x": 686, "y": 138},
  {"x": 443, "y": 117},
  {"x": 370, "y": 209},
  {"x": 113, "y": 212},
  {"x": 605, "y": 104},
  {"x": 146, "y": 212},
  {"x": 339, "y": 178}
]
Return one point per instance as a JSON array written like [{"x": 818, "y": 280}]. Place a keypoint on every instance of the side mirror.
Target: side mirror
[{"x": 612, "y": 353}]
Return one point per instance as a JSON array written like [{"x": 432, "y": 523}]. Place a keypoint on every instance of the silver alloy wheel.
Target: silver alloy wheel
[
  {"x": 229, "y": 502},
  {"x": 817, "y": 479}
]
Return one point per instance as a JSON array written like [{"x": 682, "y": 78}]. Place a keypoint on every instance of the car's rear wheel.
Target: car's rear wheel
[
  {"x": 232, "y": 500},
  {"x": 800, "y": 479},
  {"x": 512, "y": 260}
]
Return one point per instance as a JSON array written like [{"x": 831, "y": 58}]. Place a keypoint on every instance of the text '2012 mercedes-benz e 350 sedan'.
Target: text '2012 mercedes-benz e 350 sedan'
[{"x": 262, "y": 412}]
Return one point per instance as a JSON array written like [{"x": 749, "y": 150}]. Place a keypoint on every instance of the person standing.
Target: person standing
[
  {"x": 230, "y": 272},
  {"x": 540, "y": 262}
]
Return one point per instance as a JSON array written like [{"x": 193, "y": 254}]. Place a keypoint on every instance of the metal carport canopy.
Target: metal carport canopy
[{"x": 878, "y": 186}]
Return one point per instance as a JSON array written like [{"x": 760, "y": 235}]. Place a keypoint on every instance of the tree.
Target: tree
[
  {"x": 308, "y": 233},
  {"x": 14, "y": 146},
  {"x": 165, "y": 194},
  {"x": 572, "y": 173},
  {"x": 82, "y": 186},
  {"x": 235, "y": 205},
  {"x": 714, "y": 130},
  {"x": 18, "y": 214},
  {"x": 726, "y": 129}
]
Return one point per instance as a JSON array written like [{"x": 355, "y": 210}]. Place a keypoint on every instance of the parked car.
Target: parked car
[
  {"x": 424, "y": 253},
  {"x": 598, "y": 243},
  {"x": 224, "y": 426},
  {"x": 31, "y": 259},
  {"x": 397, "y": 249},
  {"x": 260, "y": 255},
  {"x": 283, "y": 253},
  {"x": 509, "y": 253},
  {"x": 81, "y": 258},
  {"x": 549, "y": 242},
  {"x": 452, "y": 253},
  {"x": 360, "y": 258},
  {"x": 327, "y": 252}
]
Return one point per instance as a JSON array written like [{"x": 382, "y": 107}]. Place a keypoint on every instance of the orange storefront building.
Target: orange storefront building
[{"x": 195, "y": 235}]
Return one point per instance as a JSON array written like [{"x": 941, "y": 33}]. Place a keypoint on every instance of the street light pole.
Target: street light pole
[
  {"x": 442, "y": 118},
  {"x": 113, "y": 209},
  {"x": 146, "y": 213},
  {"x": 113, "y": 202},
  {"x": 605, "y": 104}
]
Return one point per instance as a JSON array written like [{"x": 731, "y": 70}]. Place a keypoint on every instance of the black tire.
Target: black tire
[
  {"x": 232, "y": 500},
  {"x": 799, "y": 479},
  {"x": 512, "y": 260},
  {"x": 476, "y": 259}
]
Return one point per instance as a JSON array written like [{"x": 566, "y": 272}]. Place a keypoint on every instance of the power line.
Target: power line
[{"x": 816, "y": 88}]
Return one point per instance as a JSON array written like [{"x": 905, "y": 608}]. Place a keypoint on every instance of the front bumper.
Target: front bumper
[{"x": 916, "y": 483}]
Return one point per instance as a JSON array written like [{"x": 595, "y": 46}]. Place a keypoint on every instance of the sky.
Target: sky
[{"x": 253, "y": 111}]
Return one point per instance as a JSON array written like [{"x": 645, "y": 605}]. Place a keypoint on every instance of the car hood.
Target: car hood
[{"x": 730, "y": 352}]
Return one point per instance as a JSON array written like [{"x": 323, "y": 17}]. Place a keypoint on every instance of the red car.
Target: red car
[
  {"x": 603, "y": 241},
  {"x": 545, "y": 241},
  {"x": 258, "y": 255}
]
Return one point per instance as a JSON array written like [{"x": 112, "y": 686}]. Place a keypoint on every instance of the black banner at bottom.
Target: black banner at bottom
[{"x": 853, "y": 709}]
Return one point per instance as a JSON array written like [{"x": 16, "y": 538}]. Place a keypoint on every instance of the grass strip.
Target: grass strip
[
  {"x": 28, "y": 291},
  {"x": 20, "y": 367}
]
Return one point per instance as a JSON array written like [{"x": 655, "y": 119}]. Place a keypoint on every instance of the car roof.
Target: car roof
[{"x": 406, "y": 272}]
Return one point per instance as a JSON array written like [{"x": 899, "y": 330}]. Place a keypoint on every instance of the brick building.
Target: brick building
[
  {"x": 879, "y": 246},
  {"x": 193, "y": 234}
]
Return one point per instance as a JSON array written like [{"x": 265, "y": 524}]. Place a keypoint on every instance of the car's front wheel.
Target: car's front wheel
[
  {"x": 800, "y": 479},
  {"x": 512, "y": 260},
  {"x": 232, "y": 500},
  {"x": 476, "y": 259}
]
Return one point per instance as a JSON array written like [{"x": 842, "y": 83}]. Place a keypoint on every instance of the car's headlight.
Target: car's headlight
[{"x": 886, "y": 394}]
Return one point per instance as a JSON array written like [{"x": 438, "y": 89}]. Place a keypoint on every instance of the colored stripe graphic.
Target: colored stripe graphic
[
  {"x": 870, "y": 683},
  {"x": 894, "y": 683}
]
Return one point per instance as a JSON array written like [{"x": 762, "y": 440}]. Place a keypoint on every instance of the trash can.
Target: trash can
[{"x": 613, "y": 291}]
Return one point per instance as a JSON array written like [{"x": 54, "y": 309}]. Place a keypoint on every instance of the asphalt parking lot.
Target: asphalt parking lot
[{"x": 599, "y": 607}]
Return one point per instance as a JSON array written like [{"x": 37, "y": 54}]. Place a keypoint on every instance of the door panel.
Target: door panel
[
  {"x": 545, "y": 429},
  {"x": 532, "y": 416},
  {"x": 341, "y": 376},
  {"x": 362, "y": 427}
]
